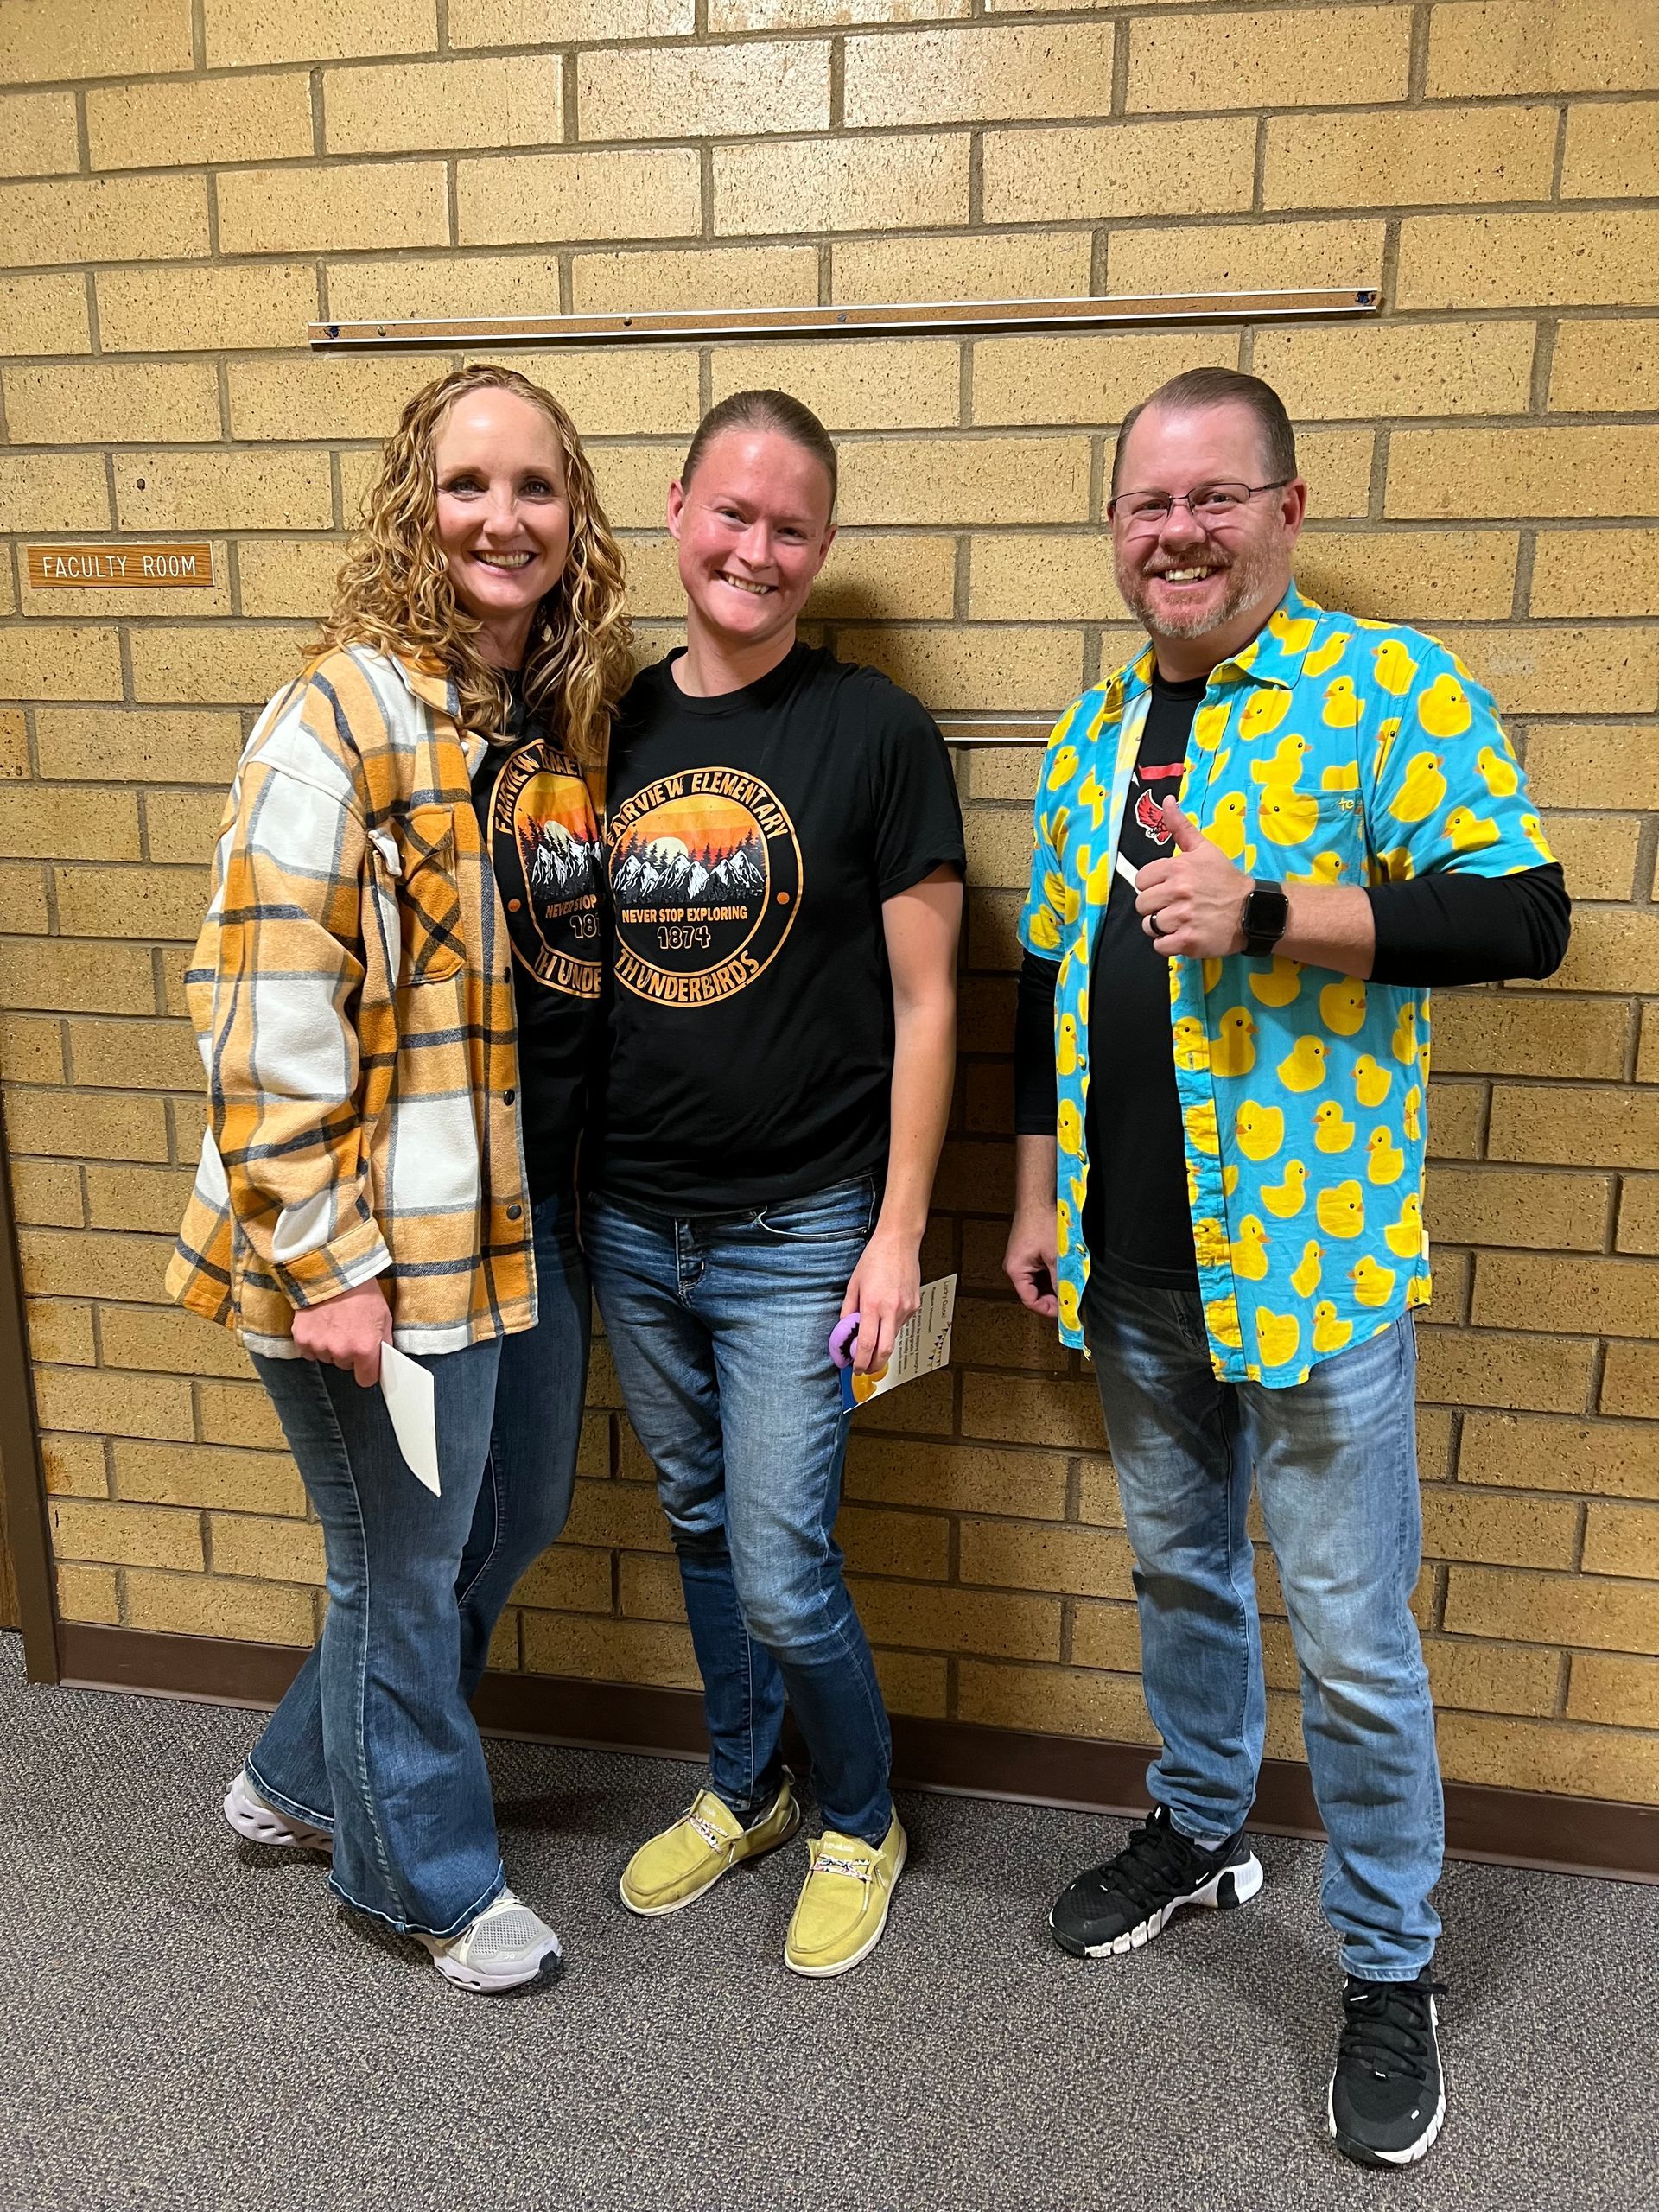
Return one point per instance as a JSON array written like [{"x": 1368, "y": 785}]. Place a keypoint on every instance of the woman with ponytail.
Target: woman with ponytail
[{"x": 786, "y": 856}]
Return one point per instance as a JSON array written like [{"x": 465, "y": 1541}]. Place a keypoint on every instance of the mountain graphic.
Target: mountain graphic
[
  {"x": 662, "y": 872},
  {"x": 557, "y": 865}
]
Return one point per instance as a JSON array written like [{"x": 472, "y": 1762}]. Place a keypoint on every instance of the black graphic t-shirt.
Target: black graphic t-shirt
[
  {"x": 542, "y": 834},
  {"x": 751, "y": 840},
  {"x": 1137, "y": 1223}
]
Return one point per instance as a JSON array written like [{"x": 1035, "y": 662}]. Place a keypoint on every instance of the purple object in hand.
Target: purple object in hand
[{"x": 841, "y": 1337}]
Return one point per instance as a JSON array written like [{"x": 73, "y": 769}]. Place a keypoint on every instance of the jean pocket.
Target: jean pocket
[
  {"x": 845, "y": 1211},
  {"x": 429, "y": 896}
]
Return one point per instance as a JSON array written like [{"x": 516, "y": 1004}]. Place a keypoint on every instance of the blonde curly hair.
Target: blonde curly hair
[{"x": 395, "y": 592}]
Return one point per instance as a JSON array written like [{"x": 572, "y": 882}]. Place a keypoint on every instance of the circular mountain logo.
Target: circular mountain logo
[
  {"x": 544, "y": 849},
  {"x": 706, "y": 884}
]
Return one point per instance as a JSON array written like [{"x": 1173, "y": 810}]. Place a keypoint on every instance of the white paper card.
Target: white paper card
[
  {"x": 923, "y": 1345},
  {"x": 407, "y": 1389}
]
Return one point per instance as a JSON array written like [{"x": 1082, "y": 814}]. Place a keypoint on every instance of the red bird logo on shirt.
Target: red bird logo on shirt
[{"x": 1149, "y": 813}]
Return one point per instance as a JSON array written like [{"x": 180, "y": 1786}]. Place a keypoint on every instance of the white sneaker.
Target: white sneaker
[
  {"x": 505, "y": 1946},
  {"x": 249, "y": 1814}
]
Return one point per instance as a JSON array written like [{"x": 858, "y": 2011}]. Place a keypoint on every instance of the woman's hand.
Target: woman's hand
[
  {"x": 885, "y": 1291},
  {"x": 348, "y": 1331}
]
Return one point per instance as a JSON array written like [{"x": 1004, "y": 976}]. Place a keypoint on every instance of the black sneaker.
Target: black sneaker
[
  {"x": 1388, "y": 2095},
  {"x": 1124, "y": 1903}
]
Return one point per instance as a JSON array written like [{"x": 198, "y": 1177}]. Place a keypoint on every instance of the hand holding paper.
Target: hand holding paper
[
  {"x": 923, "y": 1344},
  {"x": 407, "y": 1387}
]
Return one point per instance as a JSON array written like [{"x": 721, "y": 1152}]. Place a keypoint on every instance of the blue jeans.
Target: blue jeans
[
  {"x": 1335, "y": 1458},
  {"x": 374, "y": 1740},
  {"x": 719, "y": 1328}
]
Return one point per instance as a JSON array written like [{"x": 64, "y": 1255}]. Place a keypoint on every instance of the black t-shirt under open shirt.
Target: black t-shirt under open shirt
[
  {"x": 541, "y": 831},
  {"x": 1137, "y": 1223}
]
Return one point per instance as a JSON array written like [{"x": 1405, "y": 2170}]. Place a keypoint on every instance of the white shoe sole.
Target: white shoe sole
[
  {"x": 846, "y": 1966},
  {"x": 1364, "y": 2154},
  {"x": 1233, "y": 1886},
  {"x": 548, "y": 1966},
  {"x": 678, "y": 1904},
  {"x": 250, "y": 1817}
]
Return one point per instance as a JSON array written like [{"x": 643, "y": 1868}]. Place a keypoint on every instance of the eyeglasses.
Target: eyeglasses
[{"x": 1142, "y": 512}]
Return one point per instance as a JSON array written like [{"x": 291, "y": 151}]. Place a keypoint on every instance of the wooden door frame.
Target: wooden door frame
[{"x": 23, "y": 1476}]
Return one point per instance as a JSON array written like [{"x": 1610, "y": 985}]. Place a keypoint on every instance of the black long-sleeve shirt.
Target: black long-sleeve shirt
[{"x": 1434, "y": 932}]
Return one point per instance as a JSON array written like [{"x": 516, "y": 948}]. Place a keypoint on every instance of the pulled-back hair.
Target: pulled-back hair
[
  {"x": 766, "y": 410},
  {"x": 1199, "y": 388},
  {"x": 394, "y": 591}
]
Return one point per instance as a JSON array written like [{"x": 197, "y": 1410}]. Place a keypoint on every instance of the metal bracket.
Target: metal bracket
[
  {"x": 998, "y": 730},
  {"x": 926, "y": 317}
]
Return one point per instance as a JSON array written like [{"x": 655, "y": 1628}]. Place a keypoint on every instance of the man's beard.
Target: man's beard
[{"x": 1248, "y": 576}]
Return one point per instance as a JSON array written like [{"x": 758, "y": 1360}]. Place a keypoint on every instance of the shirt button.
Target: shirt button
[
  {"x": 508, "y": 1096},
  {"x": 514, "y": 1213}
]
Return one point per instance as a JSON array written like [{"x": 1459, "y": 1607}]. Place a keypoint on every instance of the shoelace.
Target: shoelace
[
  {"x": 1154, "y": 1860},
  {"x": 1387, "y": 2030},
  {"x": 830, "y": 1862},
  {"x": 710, "y": 1834}
]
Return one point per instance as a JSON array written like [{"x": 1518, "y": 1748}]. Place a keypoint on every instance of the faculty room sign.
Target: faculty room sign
[{"x": 120, "y": 568}]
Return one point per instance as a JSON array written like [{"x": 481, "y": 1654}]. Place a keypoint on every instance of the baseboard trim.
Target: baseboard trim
[{"x": 1510, "y": 1827}]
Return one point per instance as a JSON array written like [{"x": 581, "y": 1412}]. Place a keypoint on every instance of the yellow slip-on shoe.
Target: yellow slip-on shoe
[
  {"x": 690, "y": 1858},
  {"x": 843, "y": 1907}
]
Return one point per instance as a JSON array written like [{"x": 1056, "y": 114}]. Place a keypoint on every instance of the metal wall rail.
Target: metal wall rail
[
  {"x": 930, "y": 317},
  {"x": 1001, "y": 729}
]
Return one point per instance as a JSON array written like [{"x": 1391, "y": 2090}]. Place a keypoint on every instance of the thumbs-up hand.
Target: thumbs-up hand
[
  {"x": 1192, "y": 902},
  {"x": 1186, "y": 833}
]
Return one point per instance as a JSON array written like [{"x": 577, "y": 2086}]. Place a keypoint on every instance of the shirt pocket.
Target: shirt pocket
[
  {"x": 1314, "y": 836},
  {"x": 429, "y": 896}
]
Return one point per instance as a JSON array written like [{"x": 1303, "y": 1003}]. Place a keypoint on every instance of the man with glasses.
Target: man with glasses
[{"x": 1258, "y": 845}]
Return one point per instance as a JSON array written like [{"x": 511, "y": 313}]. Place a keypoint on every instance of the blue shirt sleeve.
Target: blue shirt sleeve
[{"x": 1444, "y": 792}]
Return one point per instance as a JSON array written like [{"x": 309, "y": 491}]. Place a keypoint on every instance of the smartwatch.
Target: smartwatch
[{"x": 1262, "y": 917}]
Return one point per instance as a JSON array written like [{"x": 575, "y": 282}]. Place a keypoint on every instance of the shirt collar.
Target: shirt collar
[{"x": 427, "y": 682}]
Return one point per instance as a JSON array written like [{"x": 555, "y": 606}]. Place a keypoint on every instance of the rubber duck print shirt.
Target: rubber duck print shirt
[{"x": 1331, "y": 750}]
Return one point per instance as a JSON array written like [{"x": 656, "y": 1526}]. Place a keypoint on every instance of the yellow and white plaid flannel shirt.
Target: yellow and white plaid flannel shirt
[{"x": 351, "y": 991}]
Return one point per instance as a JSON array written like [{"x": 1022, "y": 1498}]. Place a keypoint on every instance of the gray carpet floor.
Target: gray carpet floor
[{"x": 188, "y": 2022}]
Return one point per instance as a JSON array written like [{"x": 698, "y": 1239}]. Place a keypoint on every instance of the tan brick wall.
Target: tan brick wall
[{"x": 186, "y": 182}]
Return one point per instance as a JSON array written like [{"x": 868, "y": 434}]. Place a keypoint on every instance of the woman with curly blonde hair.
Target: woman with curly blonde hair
[{"x": 397, "y": 992}]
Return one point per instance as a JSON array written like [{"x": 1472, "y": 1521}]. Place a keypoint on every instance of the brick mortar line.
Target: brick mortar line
[
  {"x": 1255, "y": 206},
  {"x": 1059, "y": 626},
  {"x": 1088, "y": 121},
  {"x": 1126, "y": 14},
  {"x": 1497, "y": 422},
  {"x": 1558, "y": 174},
  {"x": 1417, "y": 55}
]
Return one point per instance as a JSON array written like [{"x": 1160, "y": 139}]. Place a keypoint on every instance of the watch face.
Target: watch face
[{"x": 1266, "y": 912}]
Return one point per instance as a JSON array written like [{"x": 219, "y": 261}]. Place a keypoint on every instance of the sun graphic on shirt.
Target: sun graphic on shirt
[
  {"x": 553, "y": 815},
  {"x": 705, "y": 828},
  {"x": 549, "y": 797}
]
